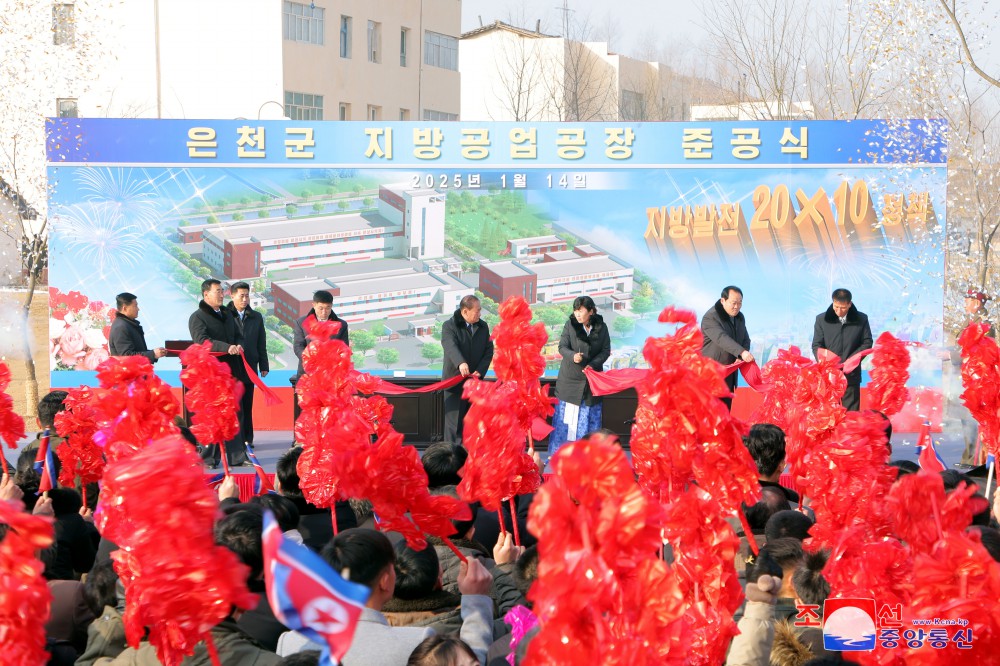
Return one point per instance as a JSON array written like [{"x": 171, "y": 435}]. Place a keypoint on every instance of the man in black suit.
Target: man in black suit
[
  {"x": 844, "y": 330},
  {"x": 214, "y": 323},
  {"x": 126, "y": 337},
  {"x": 322, "y": 310},
  {"x": 251, "y": 329},
  {"x": 468, "y": 350}
]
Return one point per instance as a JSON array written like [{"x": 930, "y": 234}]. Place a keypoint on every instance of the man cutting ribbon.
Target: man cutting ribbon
[{"x": 214, "y": 323}]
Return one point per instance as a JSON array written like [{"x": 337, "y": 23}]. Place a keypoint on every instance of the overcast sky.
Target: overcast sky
[{"x": 679, "y": 21}]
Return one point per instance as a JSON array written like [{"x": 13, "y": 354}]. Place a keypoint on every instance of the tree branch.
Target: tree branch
[{"x": 965, "y": 45}]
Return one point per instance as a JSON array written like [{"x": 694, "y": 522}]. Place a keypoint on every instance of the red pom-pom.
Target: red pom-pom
[
  {"x": 781, "y": 374},
  {"x": 178, "y": 583},
  {"x": 135, "y": 407},
  {"x": 24, "y": 593},
  {"x": 890, "y": 371},
  {"x": 981, "y": 379},
  {"x": 213, "y": 395},
  {"x": 11, "y": 423},
  {"x": 79, "y": 455},
  {"x": 602, "y": 595}
]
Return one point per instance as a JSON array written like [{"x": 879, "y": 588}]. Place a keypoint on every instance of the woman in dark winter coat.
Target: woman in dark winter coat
[{"x": 585, "y": 342}]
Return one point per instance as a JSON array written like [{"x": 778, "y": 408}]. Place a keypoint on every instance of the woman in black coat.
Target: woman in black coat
[{"x": 585, "y": 341}]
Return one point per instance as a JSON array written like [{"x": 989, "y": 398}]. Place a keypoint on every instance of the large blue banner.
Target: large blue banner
[{"x": 398, "y": 221}]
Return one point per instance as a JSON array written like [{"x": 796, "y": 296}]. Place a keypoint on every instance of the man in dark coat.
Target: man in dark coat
[
  {"x": 725, "y": 334},
  {"x": 322, "y": 310},
  {"x": 251, "y": 330},
  {"x": 468, "y": 350},
  {"x": 126, "y": 337},
  {"x": 844, "y": 330},
  {"x": 214, "y": 323}
]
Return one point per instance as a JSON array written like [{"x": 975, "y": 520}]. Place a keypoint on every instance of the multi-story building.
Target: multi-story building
[
  {"x": 560, "y": 276},
  {"x": 386, "y": 289},
  {"x": 515, "y": 74},
  {"x": 408, "y": 224},
  {"x": 371, "y": 59}
]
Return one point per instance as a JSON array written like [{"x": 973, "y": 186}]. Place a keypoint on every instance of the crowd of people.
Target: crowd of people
[
  {"x": 427, "y": 607},
  {"x": 451, "y": 603}
]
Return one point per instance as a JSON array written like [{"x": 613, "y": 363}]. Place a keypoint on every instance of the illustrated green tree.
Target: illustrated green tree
[
  {"x": 387, "y": 356},
  {"x": 358, "y": 360},
  {"x": 361, "y": 340},
  {"x": 552, "y": 316},
  {"x": 212, "y": 219},
  {"x": 275, "y": 346},
  {"x": 368, "y": 202},
  {"x": 272, "y": 322},
  {"x": 623, "y": 326},
  {"x": 318, "y": 207},
  {"x": 285, "y": 331},
  {"x": 291, "y": 209},
  {"x": 263, "y": 212},
  {"x": 432, "y": 351},
  {"x": 237, "y": 217},
  {"x": 643, "y": 305},
  {"x": 343, "y": 204}
]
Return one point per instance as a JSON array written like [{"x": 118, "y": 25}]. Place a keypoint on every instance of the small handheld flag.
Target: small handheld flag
[
  {"x": 261, "y": 484},
  {"x": 927, "y": 454},
  {"x": 307, "y": 595},
  {"x": 43, "y": 448},
  {"x": 48, "y": 480}
]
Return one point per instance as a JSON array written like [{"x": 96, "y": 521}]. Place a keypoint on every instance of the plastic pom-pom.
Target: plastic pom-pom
[
  {"x": 24, "y": 594},
  {"x": 178, "y": 583},
  {"x": 11, "y": 423},
  {"x": 213, "y": 395}
]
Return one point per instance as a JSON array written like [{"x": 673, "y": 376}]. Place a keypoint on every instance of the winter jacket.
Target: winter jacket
[
  {"x": 461, "y": 346},
  {"x": 234, "y": 647},
  {"x": 251, "y": 331},
  {"x": 571, "y": 384},
  {"x": 725, "y": 337},
  {"x": 302, "y": 335},
  {"x": 220, "y": 329},
  {"x": 845, "y": 339},
  {"x": 503, "y": 591},
  {"x": 127, "y": 339}
]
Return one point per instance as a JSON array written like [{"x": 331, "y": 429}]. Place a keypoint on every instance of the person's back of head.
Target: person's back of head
[
  {"x": 284, "y": 509},
  {"x": 99, "y": 587},
  {"x": 363, "y": 509},
  {"x": 442, "y": 461},
  {"x": 287, "y": 473},
  {"x": 49, "y": 406},
  {"x": 788, "y": 523},
  {"x": 65, "y": 501},
  {"x": 442, "y": 650},
  {"x": 810, "y": 584},
  {"x": 990, "y": 539},
  {"x": 766, "y": 443},
  {"x": 241, "y": 532},
  {"x": 360, "y": 554},
  {"x": 905, "y": 467},
  {"x": 462, "y": 527},
  {"x": 418, "y": 572},
  {"x": 772, "y": 500},
  {"x": 786, "y": 552},
  {"x": 526, "y": 570},
  {"x": 304, "y": 658}
]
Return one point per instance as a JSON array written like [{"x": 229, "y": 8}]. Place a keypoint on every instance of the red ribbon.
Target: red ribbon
[
  {"x": 270, "y": 397},
  {"x": 388, "y": 388},
  {"x": 613, "y": 381}
]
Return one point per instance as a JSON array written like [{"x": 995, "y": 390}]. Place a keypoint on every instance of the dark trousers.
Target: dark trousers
[
  {"x": 731, "y": 383},
  {"x": 236, "y": 453},
  {"x": 852, "y": 398},
  {"x": 246, "y": 413},
  {"x": 455, "y": 409}
]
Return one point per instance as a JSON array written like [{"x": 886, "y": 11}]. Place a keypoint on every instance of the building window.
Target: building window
[
  {"x": 302, "y": 23},
  {"x": 440, "y": 50},
  {"x": 374, "y": 112},
  {"x": 303, "y": 106},
  {"x": 63, "y": 24},
  {"x": 345, "y": 111},
  {"x": 404, "y": 114},
  {"x": 345, "y": 36},
  {"x": 430, "y": 114},
  {"x": 67, "y": 108},
  {"x": 374, "y": 41},
  {"x": 404, "y": 34}
]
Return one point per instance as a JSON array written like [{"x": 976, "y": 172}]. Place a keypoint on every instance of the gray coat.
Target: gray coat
[
  {"x": 844, "y": 340},
  {"x": 725, "y": 337},
  {"x": 571, "y": 384}
]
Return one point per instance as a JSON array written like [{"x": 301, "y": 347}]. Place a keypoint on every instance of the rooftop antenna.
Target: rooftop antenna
[{"x": 565, "y": 21}]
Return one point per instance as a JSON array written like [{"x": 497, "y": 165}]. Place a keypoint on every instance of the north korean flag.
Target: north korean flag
[{"x": 307, "y": 595}]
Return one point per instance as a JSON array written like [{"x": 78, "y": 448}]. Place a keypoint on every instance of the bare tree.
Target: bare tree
[
  {"x": 580, "y": 83},
  {"x": 44, "y": 47},
  {"x": 519, "y": 70},
  {"x": 762, "y": 51}
]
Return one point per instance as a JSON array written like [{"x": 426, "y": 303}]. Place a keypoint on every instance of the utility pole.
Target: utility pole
[{"x": 565, "y": 20}]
